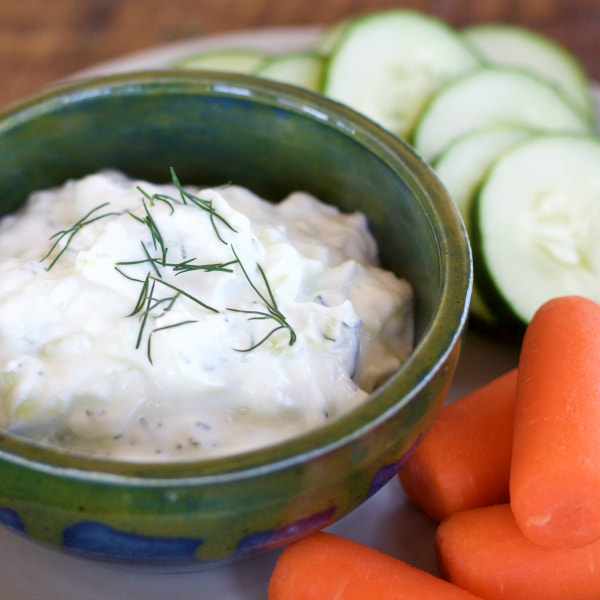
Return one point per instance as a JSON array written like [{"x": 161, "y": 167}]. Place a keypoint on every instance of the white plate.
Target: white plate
[
  {"x": 387, "y": 521},
  {"x": 274, "y": 40}
]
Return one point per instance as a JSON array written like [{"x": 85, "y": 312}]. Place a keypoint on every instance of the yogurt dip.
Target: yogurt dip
[{"x": 155, "y": 322}]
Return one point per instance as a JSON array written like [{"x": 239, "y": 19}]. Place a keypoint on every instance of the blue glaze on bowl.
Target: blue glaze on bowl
[
  {"x": 91, "y": 538},
  {"x": 11, "y": 519},
  {"x": 265, "y": 540}
]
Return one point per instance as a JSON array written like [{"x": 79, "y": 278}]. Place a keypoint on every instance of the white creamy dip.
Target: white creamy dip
[{"x": 175, "y": 326}]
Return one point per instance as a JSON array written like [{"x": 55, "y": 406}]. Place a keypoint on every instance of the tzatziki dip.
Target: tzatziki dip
[{"x": 159, "y": 322}]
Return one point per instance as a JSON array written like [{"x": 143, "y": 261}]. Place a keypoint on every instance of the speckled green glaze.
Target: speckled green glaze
[{"x": 274, "y": 139}]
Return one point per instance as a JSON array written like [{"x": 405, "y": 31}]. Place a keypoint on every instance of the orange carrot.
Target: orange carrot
[
  {"x": 555, "y": 470},
  {"x": 464, "y": 461},
  {"x": 325, "y": 566},
  {"x": 484, "y": 551}
]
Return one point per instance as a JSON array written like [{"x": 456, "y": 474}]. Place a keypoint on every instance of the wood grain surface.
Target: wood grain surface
[{"x": 44, "y": 40}]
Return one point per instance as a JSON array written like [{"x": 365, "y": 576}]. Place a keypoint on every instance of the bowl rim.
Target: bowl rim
[{"x": 434, "y": 347}]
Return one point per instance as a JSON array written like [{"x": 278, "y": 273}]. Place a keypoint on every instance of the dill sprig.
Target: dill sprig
[
  {"x": 73, "y": 230},
  {"x": 151, "y": 260},
  {"x": 272, "y": 312},
  {"x": 206, "y": 205},
  {"x": 148, "y": 300},
  {"x": 184, "y": 293},
  {"x": 267, "y": 336},
  {"x": 157, "y": 329},
  {"x": 147, "y": 303},
  {"x": 187, "y": 265},
  {"x": 157, "y": 239},
  {"x": 182, "y": 267},
  {"x": 158, "y": 197},
  {"x": 142, "y": 297},
  {"x": 121, "y": 272},
  {"x": 185, "y": 198}
]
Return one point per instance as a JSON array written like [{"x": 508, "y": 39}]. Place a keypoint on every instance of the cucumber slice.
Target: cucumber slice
[
  {"x": 516, "y": 46},
  {"x": 461, "y": 167},
  {"x": 493, "y": 95},
  {"x": 304, "y": 69},
  {"x": 233, "y": 60},
  {"x": 536, "y": 225},
  {"x": 387, "y": 64},
  {"x": 331, "y": 36}
]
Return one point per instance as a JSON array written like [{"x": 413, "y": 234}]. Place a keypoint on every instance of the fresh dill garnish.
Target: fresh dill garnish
[
  {"x": 187, "y": 265},
  {"x": 186, "y": 196},
  {"x": 151, "y": 260},
  {"x": 121, "y": 272},
  {"x": 206, "y": 205},
  {"x": 141, "y": 261},
  {"x": 148, "y": 301},
  {"x": 171, "y": 326},
  {"x": 160, "y": 197},
  {"x": 144, "y": 319},
  {"x": 183, "y": 266},
  {"x": 172, "y": 301},
  {"x": 273, "y": 311},
  {"x": 177, "y": 184},
  {"x": 184, "y": 293},
  {"x": 142, "y": 297},
  {"x": 169, "y": 300},
  {"x": 157, "y": 238},
  {"x": 74, "y": 229},
  {"x": 263, "y": 340}
]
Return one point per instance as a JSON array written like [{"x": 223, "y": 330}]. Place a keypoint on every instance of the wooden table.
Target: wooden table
[{"x": 44, "y": 40}]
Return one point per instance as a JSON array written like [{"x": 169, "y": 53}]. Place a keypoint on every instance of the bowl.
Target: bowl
[{"x": 273, "y": 139}]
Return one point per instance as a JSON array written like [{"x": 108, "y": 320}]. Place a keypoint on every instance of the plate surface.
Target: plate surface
[{"x": 387, "y": 521}]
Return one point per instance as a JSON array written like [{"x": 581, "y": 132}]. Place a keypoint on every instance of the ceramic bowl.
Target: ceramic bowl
[{"x": 273, "y": 139}]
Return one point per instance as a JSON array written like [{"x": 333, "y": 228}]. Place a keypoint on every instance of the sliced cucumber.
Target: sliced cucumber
[
  {"x": 304, "y": 69},
  {"x": 331, "y": 36},
  {"x": 234, "y": 60},
  {"x": 462, "y": 166},
  {"x": 536, "y": 225},
  {"x": 516, "y": 46},
  {"x": 387, "y": 64},
  {"x": 493, "y": 95}
]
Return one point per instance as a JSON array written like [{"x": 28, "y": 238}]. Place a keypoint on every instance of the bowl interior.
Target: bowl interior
[{"x": 214, "y": 129}]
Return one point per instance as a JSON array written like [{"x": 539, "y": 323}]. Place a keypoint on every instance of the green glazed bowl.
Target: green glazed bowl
[{"x": 213, "y": 128}]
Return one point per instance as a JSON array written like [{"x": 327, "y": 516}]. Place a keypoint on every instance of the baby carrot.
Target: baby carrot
[
  {"x": 555, "y": 469},
  {"x": 324, "y": 566},
  {"x": 464, "y": 461},
  {"x": 484, "y": 551}
]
